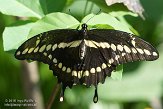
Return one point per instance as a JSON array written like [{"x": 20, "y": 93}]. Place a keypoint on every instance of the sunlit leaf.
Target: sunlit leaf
[
  {"x": 22, "y": 8},
  {"x": 92, "y": 19},
  {"x": 13, "y": 36},
  {"x": 117, "y": 74},
  {"x": 54, "y": 21},
  {"x": 120, "y": 15}
]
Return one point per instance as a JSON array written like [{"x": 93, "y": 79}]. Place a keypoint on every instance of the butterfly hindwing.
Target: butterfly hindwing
[
  {"x": 67, "y": 61},
  {"x": 95, "y": 67}
]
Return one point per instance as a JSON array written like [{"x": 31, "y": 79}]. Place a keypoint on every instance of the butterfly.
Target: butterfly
[{"x": 85, "y": 56}]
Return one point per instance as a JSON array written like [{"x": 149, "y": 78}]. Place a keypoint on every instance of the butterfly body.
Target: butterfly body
[{"x": 85, "y": 56}]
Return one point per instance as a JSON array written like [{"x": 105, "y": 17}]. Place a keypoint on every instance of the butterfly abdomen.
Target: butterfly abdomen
[{"x": 82, "y": 50}]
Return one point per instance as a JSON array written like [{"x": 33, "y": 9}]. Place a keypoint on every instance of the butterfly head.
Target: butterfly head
[{"x": 84, "y": 26}]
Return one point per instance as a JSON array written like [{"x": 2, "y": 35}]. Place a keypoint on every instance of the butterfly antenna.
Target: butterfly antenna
[{"x": 94, "y": 16}]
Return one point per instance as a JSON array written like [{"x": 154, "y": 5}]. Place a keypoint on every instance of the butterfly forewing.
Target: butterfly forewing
[
  {"x": 42, "y": 47},
  {"x": 120, "y": 47}
]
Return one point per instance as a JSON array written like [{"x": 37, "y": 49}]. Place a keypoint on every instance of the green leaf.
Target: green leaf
[
  {"x": 101, "y": 26},
  {"x": 48, "y": 5},
  {"x": 104, "y": 18},
  {"x": 117, "y": 75},
  {"x": 14, "y": 35},
  {"x": 86, "y": 96},
  {"x": 22, "y": 8},
  {"x": 120, "y": 15},
  {"x": 80, "y": 8},
  {"x": 54, "y": 21},
  {"x": 69, "y": 2}
]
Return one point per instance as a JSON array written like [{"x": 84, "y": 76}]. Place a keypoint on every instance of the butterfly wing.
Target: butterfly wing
[
  {"x": 96, "y": 67},
  {"x": 119, "y": 47},
  {"x": 57, "y": 48},
  {"x": 108, "y": 48},
  {"x": 42, "y": 46}
]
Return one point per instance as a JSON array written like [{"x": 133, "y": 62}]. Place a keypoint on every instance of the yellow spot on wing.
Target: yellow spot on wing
[
  {"x": 80, "y": 74},
  {"x": 50, "y": 56},
  {"x": 18, "y": 53},
  {"x": 63, "y": 68},
  {"x": 42, "y": 48},
  {"x": 30, "y": 50},
  {"x": 113, "y": 47},
  {"x": 62, "y": 45},
  {"x": 111, "y": 61},
  {"x": 37, "y": 42},
  {"x": 45, "y": 54},
  {"x": 86, "y": 73},
  {"x": 60, "y": 65},
  {"x": 75, "y": 43},
  {"x": 92, "y": 70},
  {"x": 68, "y": 70},
  {"x": 106, "y": 44},
  {"x": 147, "y": 52},
  {"x": 36, "y": 49},
  {"x": 25, "y": 51},
  {"x": 140, "y": 50},
  {"x": 127, "y": 49},
  {"x": 49, "y": 47},
  {"x": 74, "y": 73},
  {"x": 134, "y": 50},
  {"x": 54, "y": 47},
  {"x": 104, "y": 66},
  {"x": 119, "y": 47},
  {"x": 102, "y": 45},
  {"x": 55, "y": 60},
  {"x": 133, "y": 42},
  {"x": 155, "y": 54},
  {"x": 98, "y": 69},
  {"x": 90, "y": 43}
]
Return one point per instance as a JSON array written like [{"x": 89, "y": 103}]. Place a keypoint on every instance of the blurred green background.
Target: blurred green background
[{"x": 141, "y": 86}]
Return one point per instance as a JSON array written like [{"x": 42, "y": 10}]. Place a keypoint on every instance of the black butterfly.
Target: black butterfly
[{"x": 85, "y": 56}]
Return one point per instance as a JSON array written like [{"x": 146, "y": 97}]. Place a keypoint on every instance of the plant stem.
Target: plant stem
[{"x": 53, "y": 96}]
